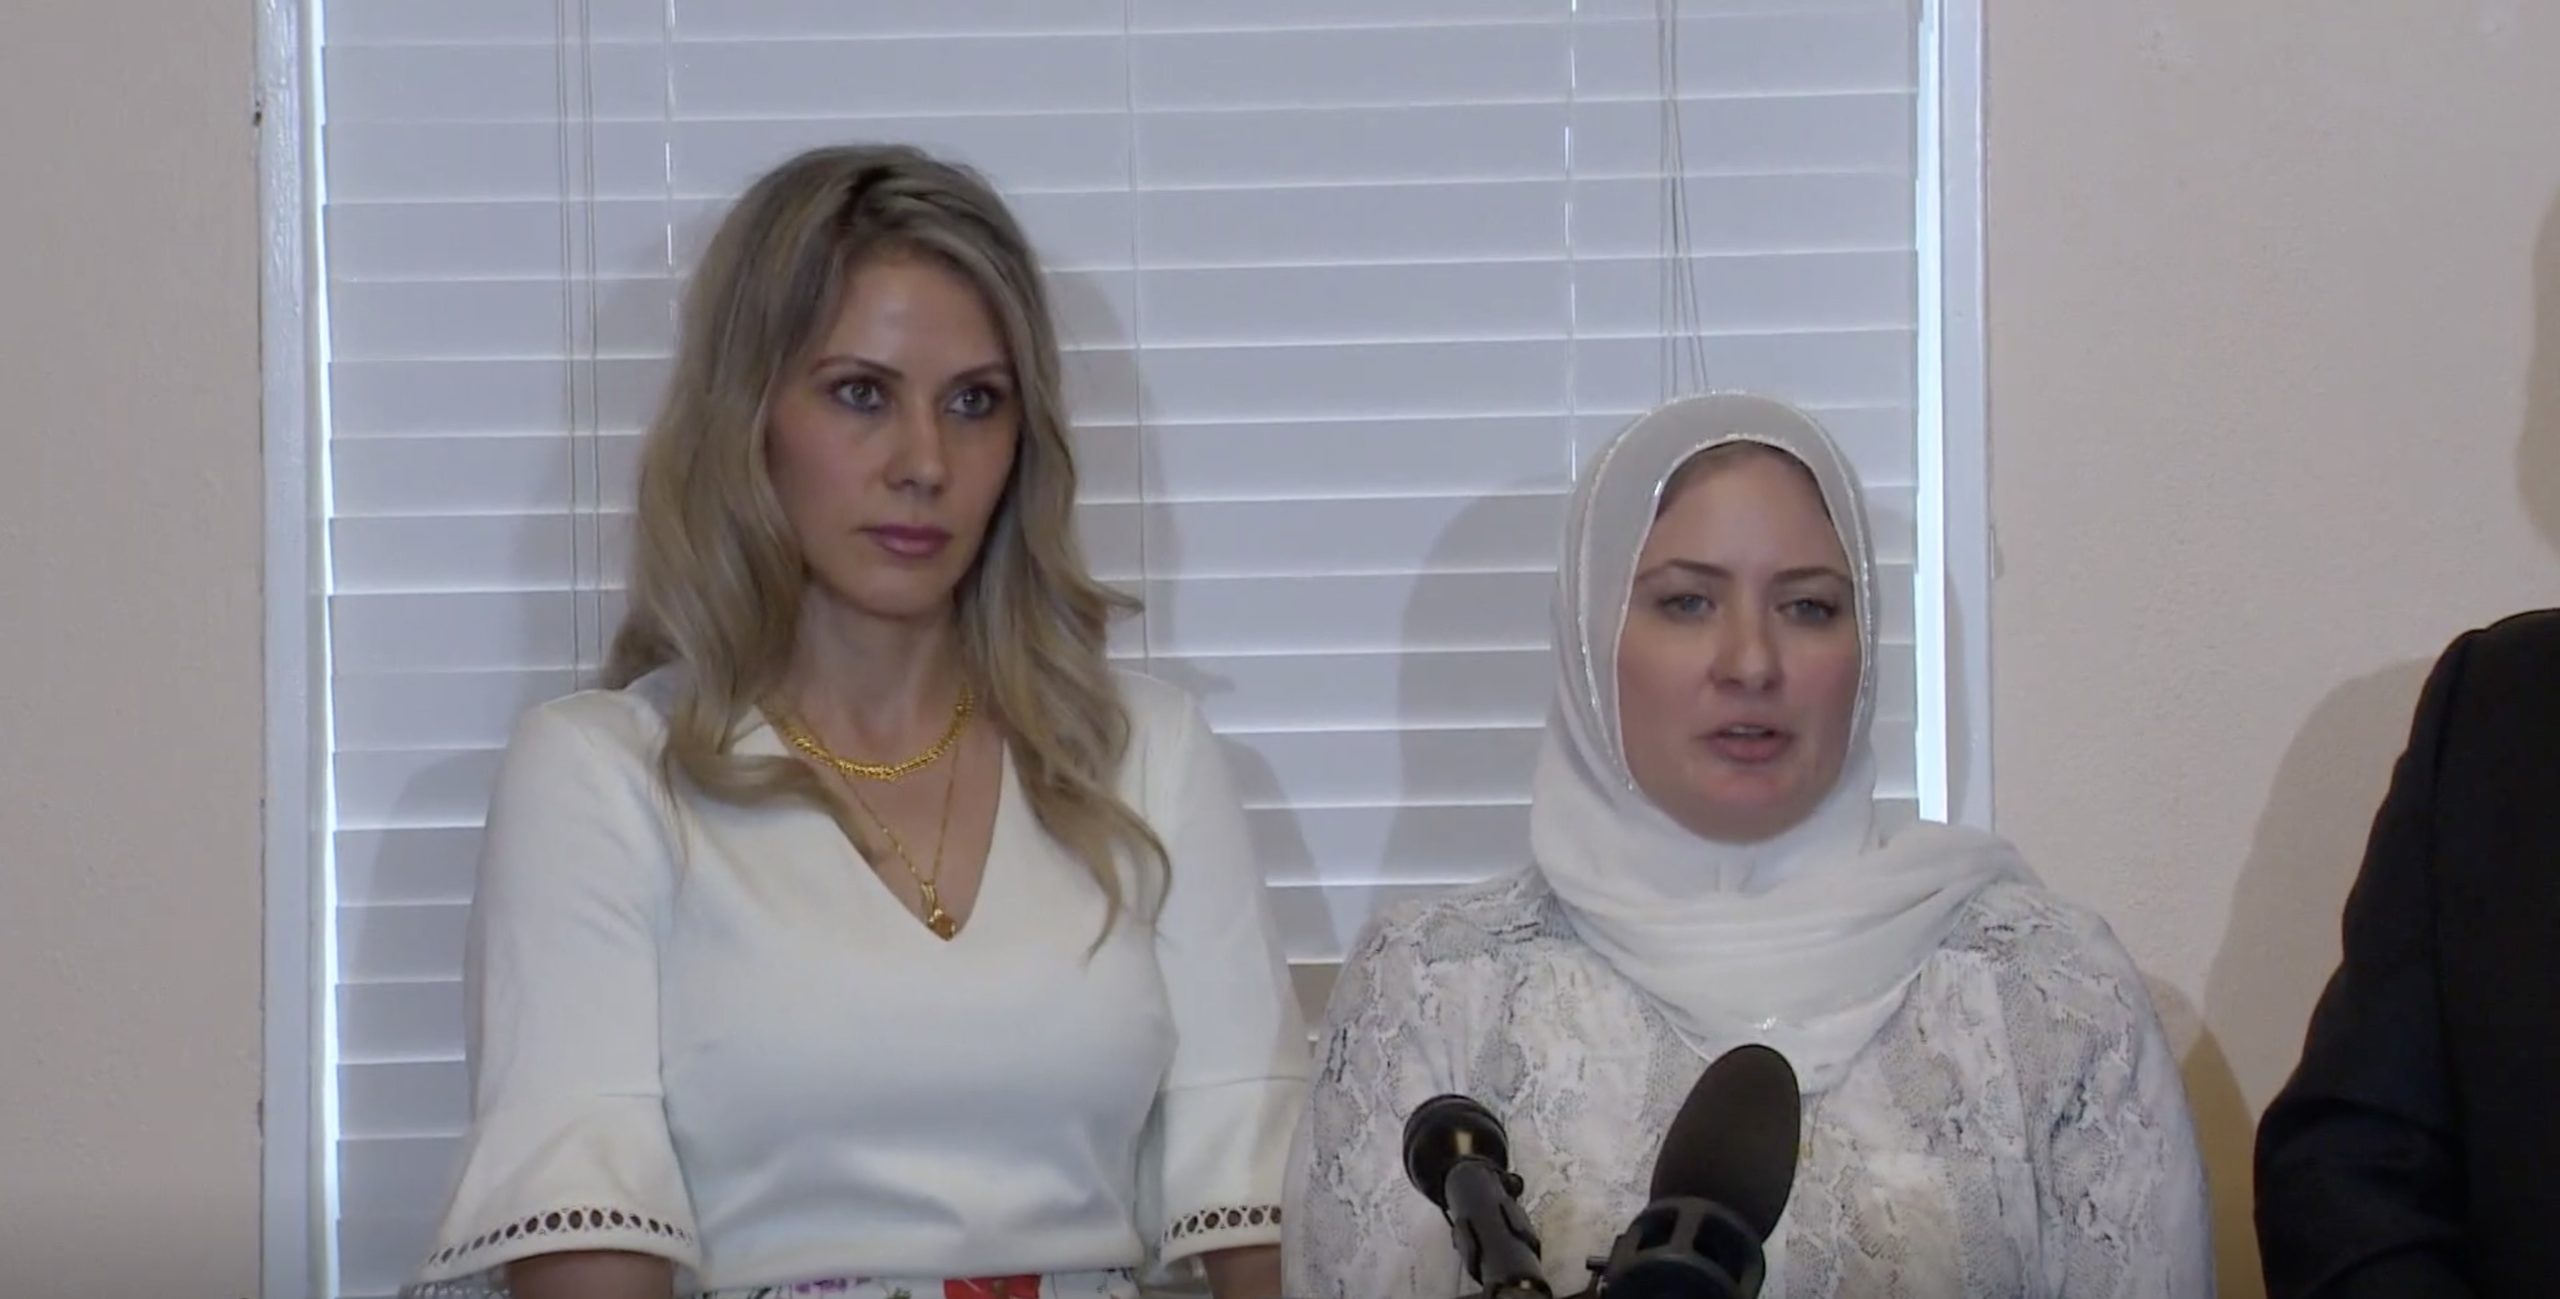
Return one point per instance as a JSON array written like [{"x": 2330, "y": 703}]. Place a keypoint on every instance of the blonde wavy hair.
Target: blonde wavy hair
[{"x": 717, "y": 577}]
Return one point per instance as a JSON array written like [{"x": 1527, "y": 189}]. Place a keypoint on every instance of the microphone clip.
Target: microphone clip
[{"x": 1682, "y": 1247}]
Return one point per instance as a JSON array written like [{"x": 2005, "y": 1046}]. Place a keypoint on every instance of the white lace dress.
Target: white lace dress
[{"x": 2018, "y": 1128}]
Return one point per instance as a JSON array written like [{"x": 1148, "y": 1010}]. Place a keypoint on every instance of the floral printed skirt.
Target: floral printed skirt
[{"x": 1119, "y": 1283}]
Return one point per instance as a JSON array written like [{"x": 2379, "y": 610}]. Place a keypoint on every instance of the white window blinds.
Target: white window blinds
[{"x": 1346, "y": 285}]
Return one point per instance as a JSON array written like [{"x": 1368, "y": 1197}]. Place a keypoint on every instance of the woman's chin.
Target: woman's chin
[
  {"x": 902, "y": 598},
  {"x": 1743, "y": 812}
]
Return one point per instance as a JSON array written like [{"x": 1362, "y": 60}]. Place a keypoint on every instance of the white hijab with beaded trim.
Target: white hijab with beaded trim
[{"x": 1805, "y": 941}]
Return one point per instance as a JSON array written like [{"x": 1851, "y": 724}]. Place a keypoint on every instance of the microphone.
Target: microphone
[
  {"x": 1456, "y": 1153},
  {"x": 1726, "y": 1168}
]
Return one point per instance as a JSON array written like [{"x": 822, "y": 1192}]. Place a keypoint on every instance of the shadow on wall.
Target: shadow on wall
[
  {"x": 2281, "y": 942},
  {"x": 1106, "y": 396},
  {"x": 2538, "y": 450},
  {"x": 1448, "y": 832},
  {"x": 2223, "y": 1129}
]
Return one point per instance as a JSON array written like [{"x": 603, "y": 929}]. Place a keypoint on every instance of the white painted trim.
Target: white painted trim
[
  {"x": 292, "y": 1247},
  {"x": 1954, "y": 565}
]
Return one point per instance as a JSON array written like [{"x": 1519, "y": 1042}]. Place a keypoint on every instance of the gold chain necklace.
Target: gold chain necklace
[
  {"x": 800, "y": 738},
  {"x": 943, "y": 924}
]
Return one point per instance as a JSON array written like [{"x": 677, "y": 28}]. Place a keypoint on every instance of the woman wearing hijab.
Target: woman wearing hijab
[{"x": 1990, "y": 1106}]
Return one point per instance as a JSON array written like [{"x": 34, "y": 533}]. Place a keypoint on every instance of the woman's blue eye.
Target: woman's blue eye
[
  {"x": 859, "y": 394},
  {"x": 1813, "y": 611},
  {"x": 976, "y": 402},
  {"x": 1683, "y": 606}
]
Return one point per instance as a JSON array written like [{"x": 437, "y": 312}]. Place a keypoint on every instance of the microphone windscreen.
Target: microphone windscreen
[{"x": 1733, "y": 1142}]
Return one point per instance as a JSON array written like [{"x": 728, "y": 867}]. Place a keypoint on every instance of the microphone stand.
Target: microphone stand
[{"x": 1492, "y": 1231}]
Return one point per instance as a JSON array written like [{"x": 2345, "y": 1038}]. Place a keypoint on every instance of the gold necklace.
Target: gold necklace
[
  {"x": 943, "y": 924},
  {"x": 800, "y": 738}
]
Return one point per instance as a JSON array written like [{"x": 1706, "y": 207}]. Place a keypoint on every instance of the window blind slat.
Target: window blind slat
[
  {"x": 1258, "y": 148},
  {"x": 1805, "y": 211},
  {"x": 730, "y": 19},
  {"x": 479, "y": 81},
  {"x": 438, "y": 709},
  {"x": 404, "y": 1100},
  {"x": 391, "y": 1176},
  {"x": 803, "y": 76},
  {"x": 1350, "y": 768},
  {"x": 378, "y": 1254},
  {"x": 1389, "y": 378},
  {"x": 456, "y": 473},
  {"x": 1724, "y": 55},
  {"x": 1352, "y": 223},
  {"x": 1766, "y": 134},
  {"x": 407, "y": 865},
  {"x": 1258, "y": 15},
  {"x": 1826, "y": 367},
  {"x": 1407, "y": 457},
  {"x": 1753, "y": 294},
  {"x": 1428, "y": 611},
  {"x": 400, "y": 942},
  {"x": 355, "y": 23},
  {"x": 1062, "y": 150},
  {"x": 413, "y": 395},
  {"x": 1593, "y": 11},
  {"x": 1381, "y": 301},
  {"x": 1440, "y": 63},
  {"x": 1377, "y": 534},
  {"x": 422, "y": 160},
  {"x": 390, "y": 1022}
]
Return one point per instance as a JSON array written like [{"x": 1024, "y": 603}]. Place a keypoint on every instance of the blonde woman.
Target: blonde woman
[{"x": 870, "y": 935}]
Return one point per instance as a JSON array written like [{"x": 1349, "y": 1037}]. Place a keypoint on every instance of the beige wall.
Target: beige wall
[
  {"x": 2275, "y": 384},
  {"x": 129, "y": 725}
]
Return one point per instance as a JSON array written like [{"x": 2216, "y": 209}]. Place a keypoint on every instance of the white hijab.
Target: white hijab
[{"x": 1804, "y": 942}]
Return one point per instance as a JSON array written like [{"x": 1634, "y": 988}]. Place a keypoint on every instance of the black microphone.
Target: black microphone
[
  {"x": 1726, "y": 1168},
  {"x": 1456, "y": 1153}
]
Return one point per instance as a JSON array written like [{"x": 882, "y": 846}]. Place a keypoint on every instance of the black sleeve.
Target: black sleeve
[{"x": 2359, "y": 1161}]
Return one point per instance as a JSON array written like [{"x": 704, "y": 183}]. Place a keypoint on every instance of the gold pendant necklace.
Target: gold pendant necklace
[
  {"x": 943, "y": 924},
  {"x": 928, "y": 887}
]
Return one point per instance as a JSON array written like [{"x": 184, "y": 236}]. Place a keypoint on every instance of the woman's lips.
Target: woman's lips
[
  {"x": 1748, "y": 745},
  {"x": 909, "y": 543}
]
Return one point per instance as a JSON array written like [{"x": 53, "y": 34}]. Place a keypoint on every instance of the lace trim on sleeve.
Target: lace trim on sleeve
[
  {"x": 467, "y": 1269},
  {"x": 1204, "y": 1221},
  {"x": 1260, "y": 1223}
]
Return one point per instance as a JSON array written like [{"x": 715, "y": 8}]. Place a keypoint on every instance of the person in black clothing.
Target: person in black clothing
[{"x": 2416, "y": 1149}]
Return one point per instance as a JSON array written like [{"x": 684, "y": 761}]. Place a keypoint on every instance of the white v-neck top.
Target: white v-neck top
[{"x": 712, "y": 1034}]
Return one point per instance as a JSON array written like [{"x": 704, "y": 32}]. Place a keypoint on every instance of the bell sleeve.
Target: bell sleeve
[
  {"x": 1218, "y": 1147},
  {"x": 568, "y": 1148}
]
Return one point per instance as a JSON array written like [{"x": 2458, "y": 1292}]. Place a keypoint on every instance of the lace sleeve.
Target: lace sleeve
[
  {"x": 1356, "y": 1230},
  {"x": 2119, "y": 1176}
]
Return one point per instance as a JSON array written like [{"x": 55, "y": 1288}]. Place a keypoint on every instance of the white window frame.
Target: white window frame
[{"x": 1953, "y": 628}]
